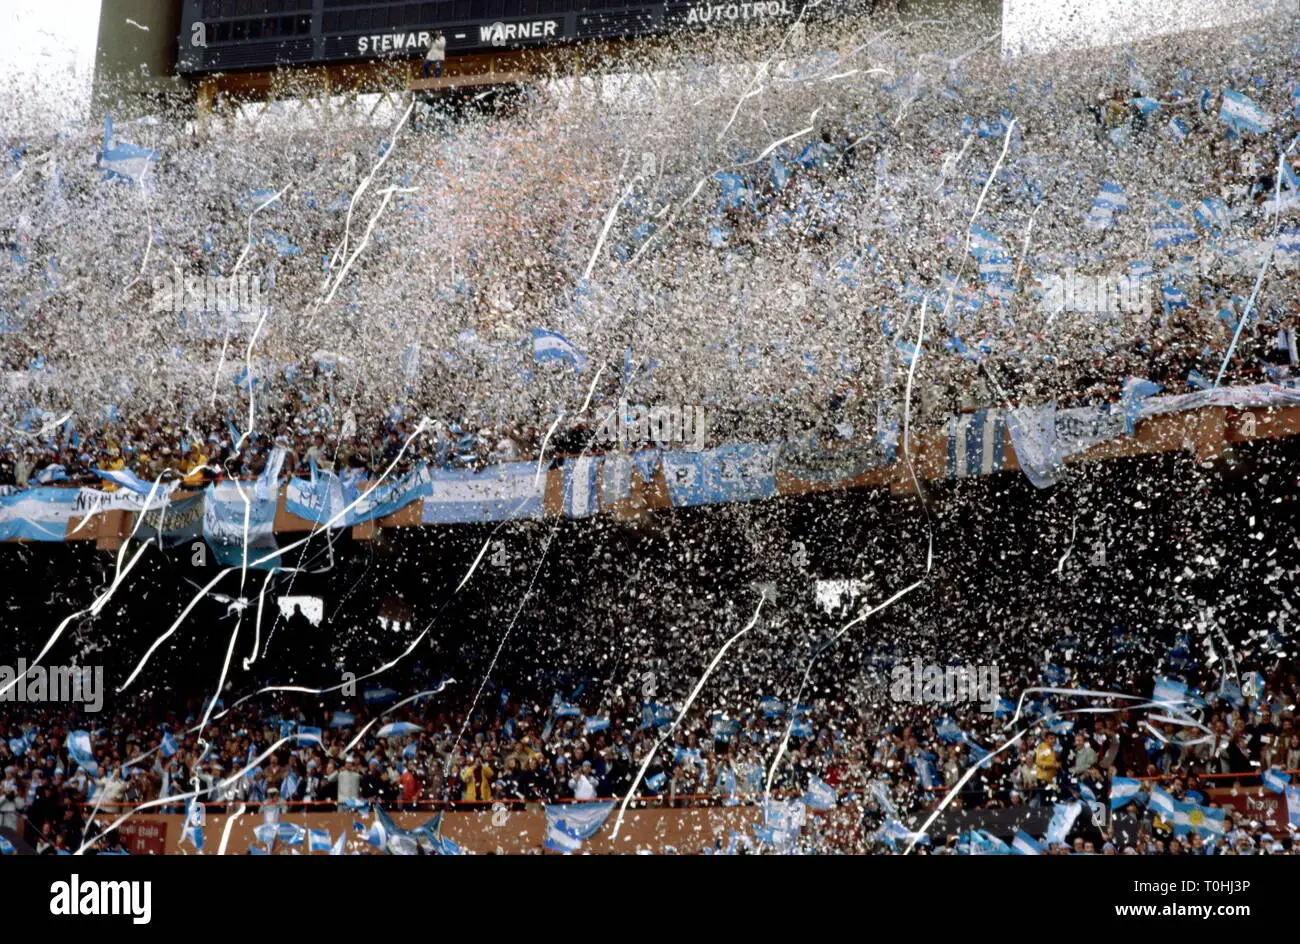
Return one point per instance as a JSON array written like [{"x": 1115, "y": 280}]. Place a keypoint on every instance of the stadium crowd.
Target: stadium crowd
[{"x": 884, "y": 762}]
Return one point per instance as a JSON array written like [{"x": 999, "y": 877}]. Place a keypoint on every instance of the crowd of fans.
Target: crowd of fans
[
  {"x": 834, "y": 319},
  {"x": 886, "y": 763}
]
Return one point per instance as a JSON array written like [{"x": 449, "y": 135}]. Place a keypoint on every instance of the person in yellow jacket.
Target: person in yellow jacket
[
  {"x": 193, "y": 467},
  {"x": 478, "y": 778},
  {"x": 1045, "y": 762}
]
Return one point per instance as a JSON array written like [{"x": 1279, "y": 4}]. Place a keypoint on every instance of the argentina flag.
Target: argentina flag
[
  {"x": 1025, "y": 844},
  {"x": 1171, "y": 228},
  {"x": 570, "y": 823},
  {"x": 1123, "y": 791},
  {"x": 995, "y": 264},
  {"x": 1212, "y": 213},
  {"x": 820, "y": 795},
  {"x": 1162, "y": 802},
  {"x": 976, "y": 443},
  {"x": 1243, "y": 115},
  {"x": 616, "y": 479},
  {"x": 551, "y": 347},
  {"x": 1109, "y": 201},
  {"x": 398, "y": 729},
  {"x": 580, "y": 494},
  {"x": 1063, "y": 817},
  {"x": 318, "y": 840},
  {"x": 1275, "y": 780},
  {"x": 78, "y": 747},
  {"x": 121, "y": 160}
]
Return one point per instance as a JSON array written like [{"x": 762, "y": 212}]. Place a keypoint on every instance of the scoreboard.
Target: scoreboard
[{"x": 224, "y": 35}]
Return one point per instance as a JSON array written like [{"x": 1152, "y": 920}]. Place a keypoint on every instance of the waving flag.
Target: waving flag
[
  {"x": 1192, "y": 817},
  {"x": 1212, "y": 213},
  {"x": 1243, "y": 115},
  {"x": 1063, "y": 818},
  {"x": 290, "y": 834},
  {"x": 551, "y": 347},
  {"x": 398, "y": 729},
  {"x": 318, "y": 840},
  {"x": 735, "y": 192},
  {"x": 132, "y": 482},
  {"x": 1123, "y": 791},
  {"x": 976, "y": 443},
  {"x": 1162, "y": 802},
  {"x": 1276, "y": 780},
  {"x": 995, "y": 263},
  {"x": 78, "y": 747},
  {"x": 820, "y": 795},
  {"x": 121, "y": 160},
  {"x": 1024, "y": 844},
  {"x": 568, "y": 825},
  {"x": 1109, "y": 201},
  {"x": 1171, "y": 229},
  {"x": 342, "y": 719},
  {"x": 168, "y": 746}
]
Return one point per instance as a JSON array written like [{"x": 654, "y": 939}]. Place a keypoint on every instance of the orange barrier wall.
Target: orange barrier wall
[{"x": 487, "y": 833}]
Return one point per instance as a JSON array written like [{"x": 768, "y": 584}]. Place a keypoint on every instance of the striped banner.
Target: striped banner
[{"x": 976, "y": 443}]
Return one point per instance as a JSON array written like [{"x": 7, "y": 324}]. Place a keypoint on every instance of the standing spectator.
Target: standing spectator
[
  {"x": 349, "y": 782},
  {"x": 436, "y": 56}
]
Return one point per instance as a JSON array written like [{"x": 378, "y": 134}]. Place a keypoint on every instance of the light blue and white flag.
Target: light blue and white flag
[
  {"x": 318, "y": 840},
  {"x": 1063, "y": 818},
  {"x": 568, "y": 824},
  {"x": 656, "y": 781},
  {"x": 1162, "y": 802},
  {"x": 38, "y": 514},
  {"x": 1110, "y": 200},
  {"x": 1172, "y": 228},
  {"x": 594, "y": 724},
  {"x": 820, "y": 795},
  {"x": 1243, "y": 115},
  {"x": 168, "y": 746},
  {"x": 551, "y": 347},
  {"x": 122, "y": 160},
  {"x": 1169, "y": 692},
  {"x": 79, "y": 749},
  {"x": 309, "y": 734},
  {"x": 503, "y": 492},
  {"x": 1024, "y": 844},
  {"x": 580, "y": 495},
  {"x": 398, "y": 729},
  {"x": 7, "y": 847},
  {"x": 976, "y": 443},
  {"x": 342, "y": 719},
  {"x": 1194, "y": 818},
  {"x": 1123, "y": 791},
  {"x": 378, "y": 696},
  {"x": 225, "y": 530},
  {"x": 291, "y": 834},
  {"x": 1275, "y": 779},
  {"x": 1213, "y": 214},
  {"x": 192, "y": 831},
  {"x": 317, "y": 500},
  {"x": 1293, "y": 806}
]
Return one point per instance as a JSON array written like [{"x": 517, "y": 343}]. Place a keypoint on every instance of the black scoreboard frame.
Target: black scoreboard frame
[{"x": 235, "y": 35}]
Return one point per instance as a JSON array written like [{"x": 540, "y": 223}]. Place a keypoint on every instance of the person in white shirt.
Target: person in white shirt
[
  {"x": 436, "y": 56},
  {"x": 584, "y": 783}
]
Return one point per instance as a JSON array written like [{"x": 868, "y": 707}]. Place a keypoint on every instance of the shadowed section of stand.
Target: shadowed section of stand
[{"x": 468, "y": 81}]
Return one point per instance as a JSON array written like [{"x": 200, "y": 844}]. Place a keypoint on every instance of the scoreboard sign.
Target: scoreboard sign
[{"x": 223, "y": 35}]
